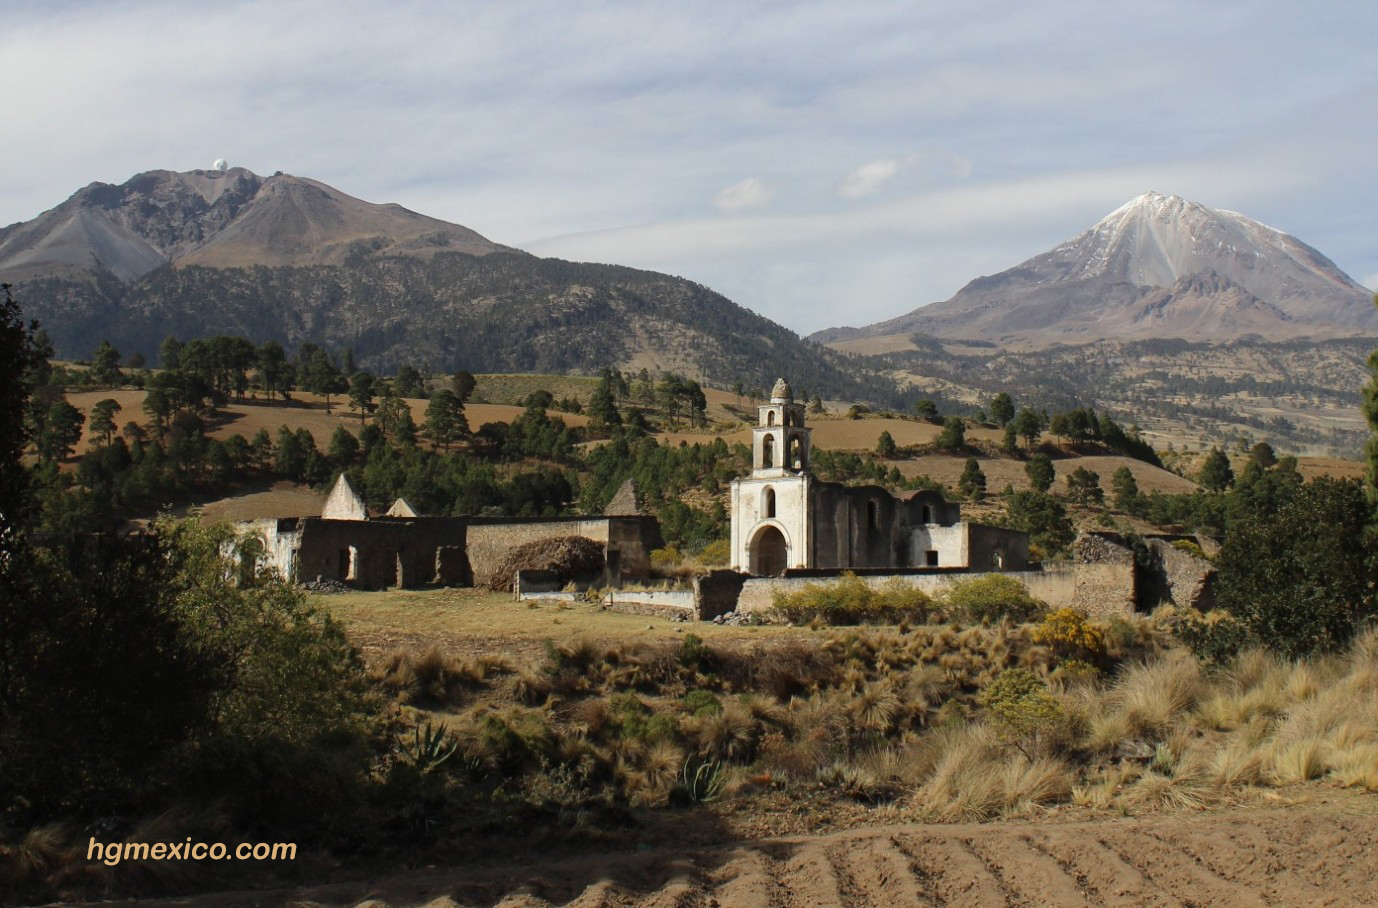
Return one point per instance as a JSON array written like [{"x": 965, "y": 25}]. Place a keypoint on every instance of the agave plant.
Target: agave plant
[{"x": 431, "y": 747}]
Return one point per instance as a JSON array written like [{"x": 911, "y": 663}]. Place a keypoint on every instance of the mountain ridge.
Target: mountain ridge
[
  {"x": 293, "y": 260},
  {"x": 1158, "y": 266}
]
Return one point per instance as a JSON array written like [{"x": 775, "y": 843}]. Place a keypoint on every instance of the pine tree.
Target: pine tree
[
  {"x": 972, "y": 482},
  {"x": 1040, "y": 471}
]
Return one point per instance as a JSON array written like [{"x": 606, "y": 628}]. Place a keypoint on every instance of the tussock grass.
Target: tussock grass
[{"x": 913, "y": 717}]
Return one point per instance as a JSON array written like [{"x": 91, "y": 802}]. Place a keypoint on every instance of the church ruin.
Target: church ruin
[{"x": 786, "y": 519}]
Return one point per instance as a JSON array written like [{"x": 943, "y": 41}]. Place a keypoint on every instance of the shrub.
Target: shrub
[
  {"x": 702, "y": 703},
  {"x": 994, "y": 596},
  {"x": 851, "y": 600},
  {"x": 716, "y": 553},
  {"x": 667, "y": 558},
  {"x": 1215, "y": 637},
  {"x": 1022, "y": 711},
  {"x": 1071, "y": 636},
  {"x": 1302, "y": 581},
  {"x": 1191, "y": 548}
]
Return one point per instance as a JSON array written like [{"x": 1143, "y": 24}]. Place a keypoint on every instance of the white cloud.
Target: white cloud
[
  {"x": 638, "y": 113},
  {"x": 743, "y": 196},
  {"x": 867, "y": 178}
]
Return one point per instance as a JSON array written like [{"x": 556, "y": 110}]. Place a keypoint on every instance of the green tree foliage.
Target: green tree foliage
[
  {"x": 463, "y": 384},
  {"x": 275, "y": 373},
  {"x": 885, "y": 445},
  {"x": 344, "y": 447},
  {"x": 1125, "y": 489},
  {"x": 61, "y": 432},
  {"x": 1030, "y": 424},
  {"x": 105, "y": 365},
  {"x": 1040, "y": 471},
  {"x": 1083, "y": 487},
  {"x": 603, "y": 414},
  {"x": 181, "y": 681},
  {"x": 972, "y": 482},
  {"x": 1303, "y": 580},
  {"x": 954, "y": 434},
  {"x": 362, "y": 388},
  {"x": 925, "y": 408},
  {"x": 407, "y": 382},
  {"x": 102, "y": 418},
  {"x": 1010, "y": 442},
  {"x": 1216, "y": 474},
  {"x": 1044, "y": 518},
  {"x": 445, "y": 421},
  {"x": 316, "y": 372},
  {"x": 1002, "y": 409},
  {"x": 1263, "y": 455}
]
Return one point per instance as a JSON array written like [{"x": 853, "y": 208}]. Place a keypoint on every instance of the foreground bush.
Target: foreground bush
[
  {"x": 1302, "y": 581},
  {"x": 991, "y": 597},
  {"x": 852, "y": 600},
  {"x": 145, "y": 672}
]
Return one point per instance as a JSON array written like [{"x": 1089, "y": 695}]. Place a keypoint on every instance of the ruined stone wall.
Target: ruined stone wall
[
  {"x": 378, "y": 554},
  {"x": 1100, "y": 590},
  {"x": 996, "y": 548},
  {"x": 1189, "y": 581},
  {"x": 631, "y": 538},
  {"x": 716, "y": 593}
]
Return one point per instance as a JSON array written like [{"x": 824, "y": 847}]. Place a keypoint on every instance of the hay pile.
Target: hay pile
[{"x": 572, "y": 557}]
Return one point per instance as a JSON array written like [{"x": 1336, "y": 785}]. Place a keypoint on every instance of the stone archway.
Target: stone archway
[{"x": 768, "y": 552}]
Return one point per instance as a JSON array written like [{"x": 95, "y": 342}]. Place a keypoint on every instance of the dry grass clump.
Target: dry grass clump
[
  {"x": 952, "y": 722},
  {"x": 434, "y": 677}
]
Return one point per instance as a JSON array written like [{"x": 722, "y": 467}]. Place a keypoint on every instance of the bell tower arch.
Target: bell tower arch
[{"x": 771, "y": 529}]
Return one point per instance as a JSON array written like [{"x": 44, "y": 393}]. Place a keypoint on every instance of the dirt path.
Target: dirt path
[{"x": 1283, "y": 856}]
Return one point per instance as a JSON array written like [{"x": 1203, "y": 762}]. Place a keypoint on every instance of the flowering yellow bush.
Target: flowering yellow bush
[{"x": 1069, "y": 633}]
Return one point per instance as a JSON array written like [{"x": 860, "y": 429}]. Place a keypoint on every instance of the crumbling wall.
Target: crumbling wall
[
  {"x": 716, "y": 593},
  {"x": 1100, "y": 590},
  {"x": 1187, "y": 580}
]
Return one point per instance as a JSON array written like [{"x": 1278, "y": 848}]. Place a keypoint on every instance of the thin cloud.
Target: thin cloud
[
  {"x": 868, "y": 178},
  {"x": 745, "y": 195}
]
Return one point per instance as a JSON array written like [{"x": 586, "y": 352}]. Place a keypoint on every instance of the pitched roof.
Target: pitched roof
[
  {"x": 625, "y": 502},
  {"x": 344, "y": 503}
]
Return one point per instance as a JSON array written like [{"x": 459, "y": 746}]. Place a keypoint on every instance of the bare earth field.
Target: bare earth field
[
  {"x": 1306, "y": 854},
  {"x": 1306, "y": 845}
]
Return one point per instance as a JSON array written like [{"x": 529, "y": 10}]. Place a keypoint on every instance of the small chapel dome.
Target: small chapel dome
[{"x": 781, "y": 391}]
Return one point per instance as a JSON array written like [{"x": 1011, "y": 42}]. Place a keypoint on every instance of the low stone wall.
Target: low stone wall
[
  {"x": 717, "y": 592},
  {"x": 1100, "y": 590}
]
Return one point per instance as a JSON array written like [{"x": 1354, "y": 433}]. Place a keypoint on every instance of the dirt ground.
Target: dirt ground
[
  {"x": 1316, "y": 853},
  {"x": 1307, "y": 845}
]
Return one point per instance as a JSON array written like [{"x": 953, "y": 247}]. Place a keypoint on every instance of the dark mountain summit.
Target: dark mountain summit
[{"x": 290, "y": 259}]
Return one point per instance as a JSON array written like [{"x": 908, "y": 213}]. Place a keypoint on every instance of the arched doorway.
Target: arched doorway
[{"x": 769, "y": 554}]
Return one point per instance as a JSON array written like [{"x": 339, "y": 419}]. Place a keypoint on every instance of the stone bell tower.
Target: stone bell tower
[{"x": 770, "y": 519}]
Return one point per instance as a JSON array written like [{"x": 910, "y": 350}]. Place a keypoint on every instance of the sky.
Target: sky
[{"x": 822, "y": 163}]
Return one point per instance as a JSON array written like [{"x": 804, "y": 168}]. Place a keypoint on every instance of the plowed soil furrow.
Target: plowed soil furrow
[
  {"x": 960, "y": 878},
  {"x": 1107, "y": 877},
  {"x": 1296, "y": 855},
  {"x": 1028, "y": 875},
  {"x": 923, "y": 877},
  {"x": 809, "y": 879},
  {"x": 1176, "y": 871},
  {"x": 603, "y": 894},
  {"x": 680, "y": 892},
  {"x": 879, "y": 869},
  {"x": 748, "y": 878},
  {"x": 1259, "y": 857}
]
